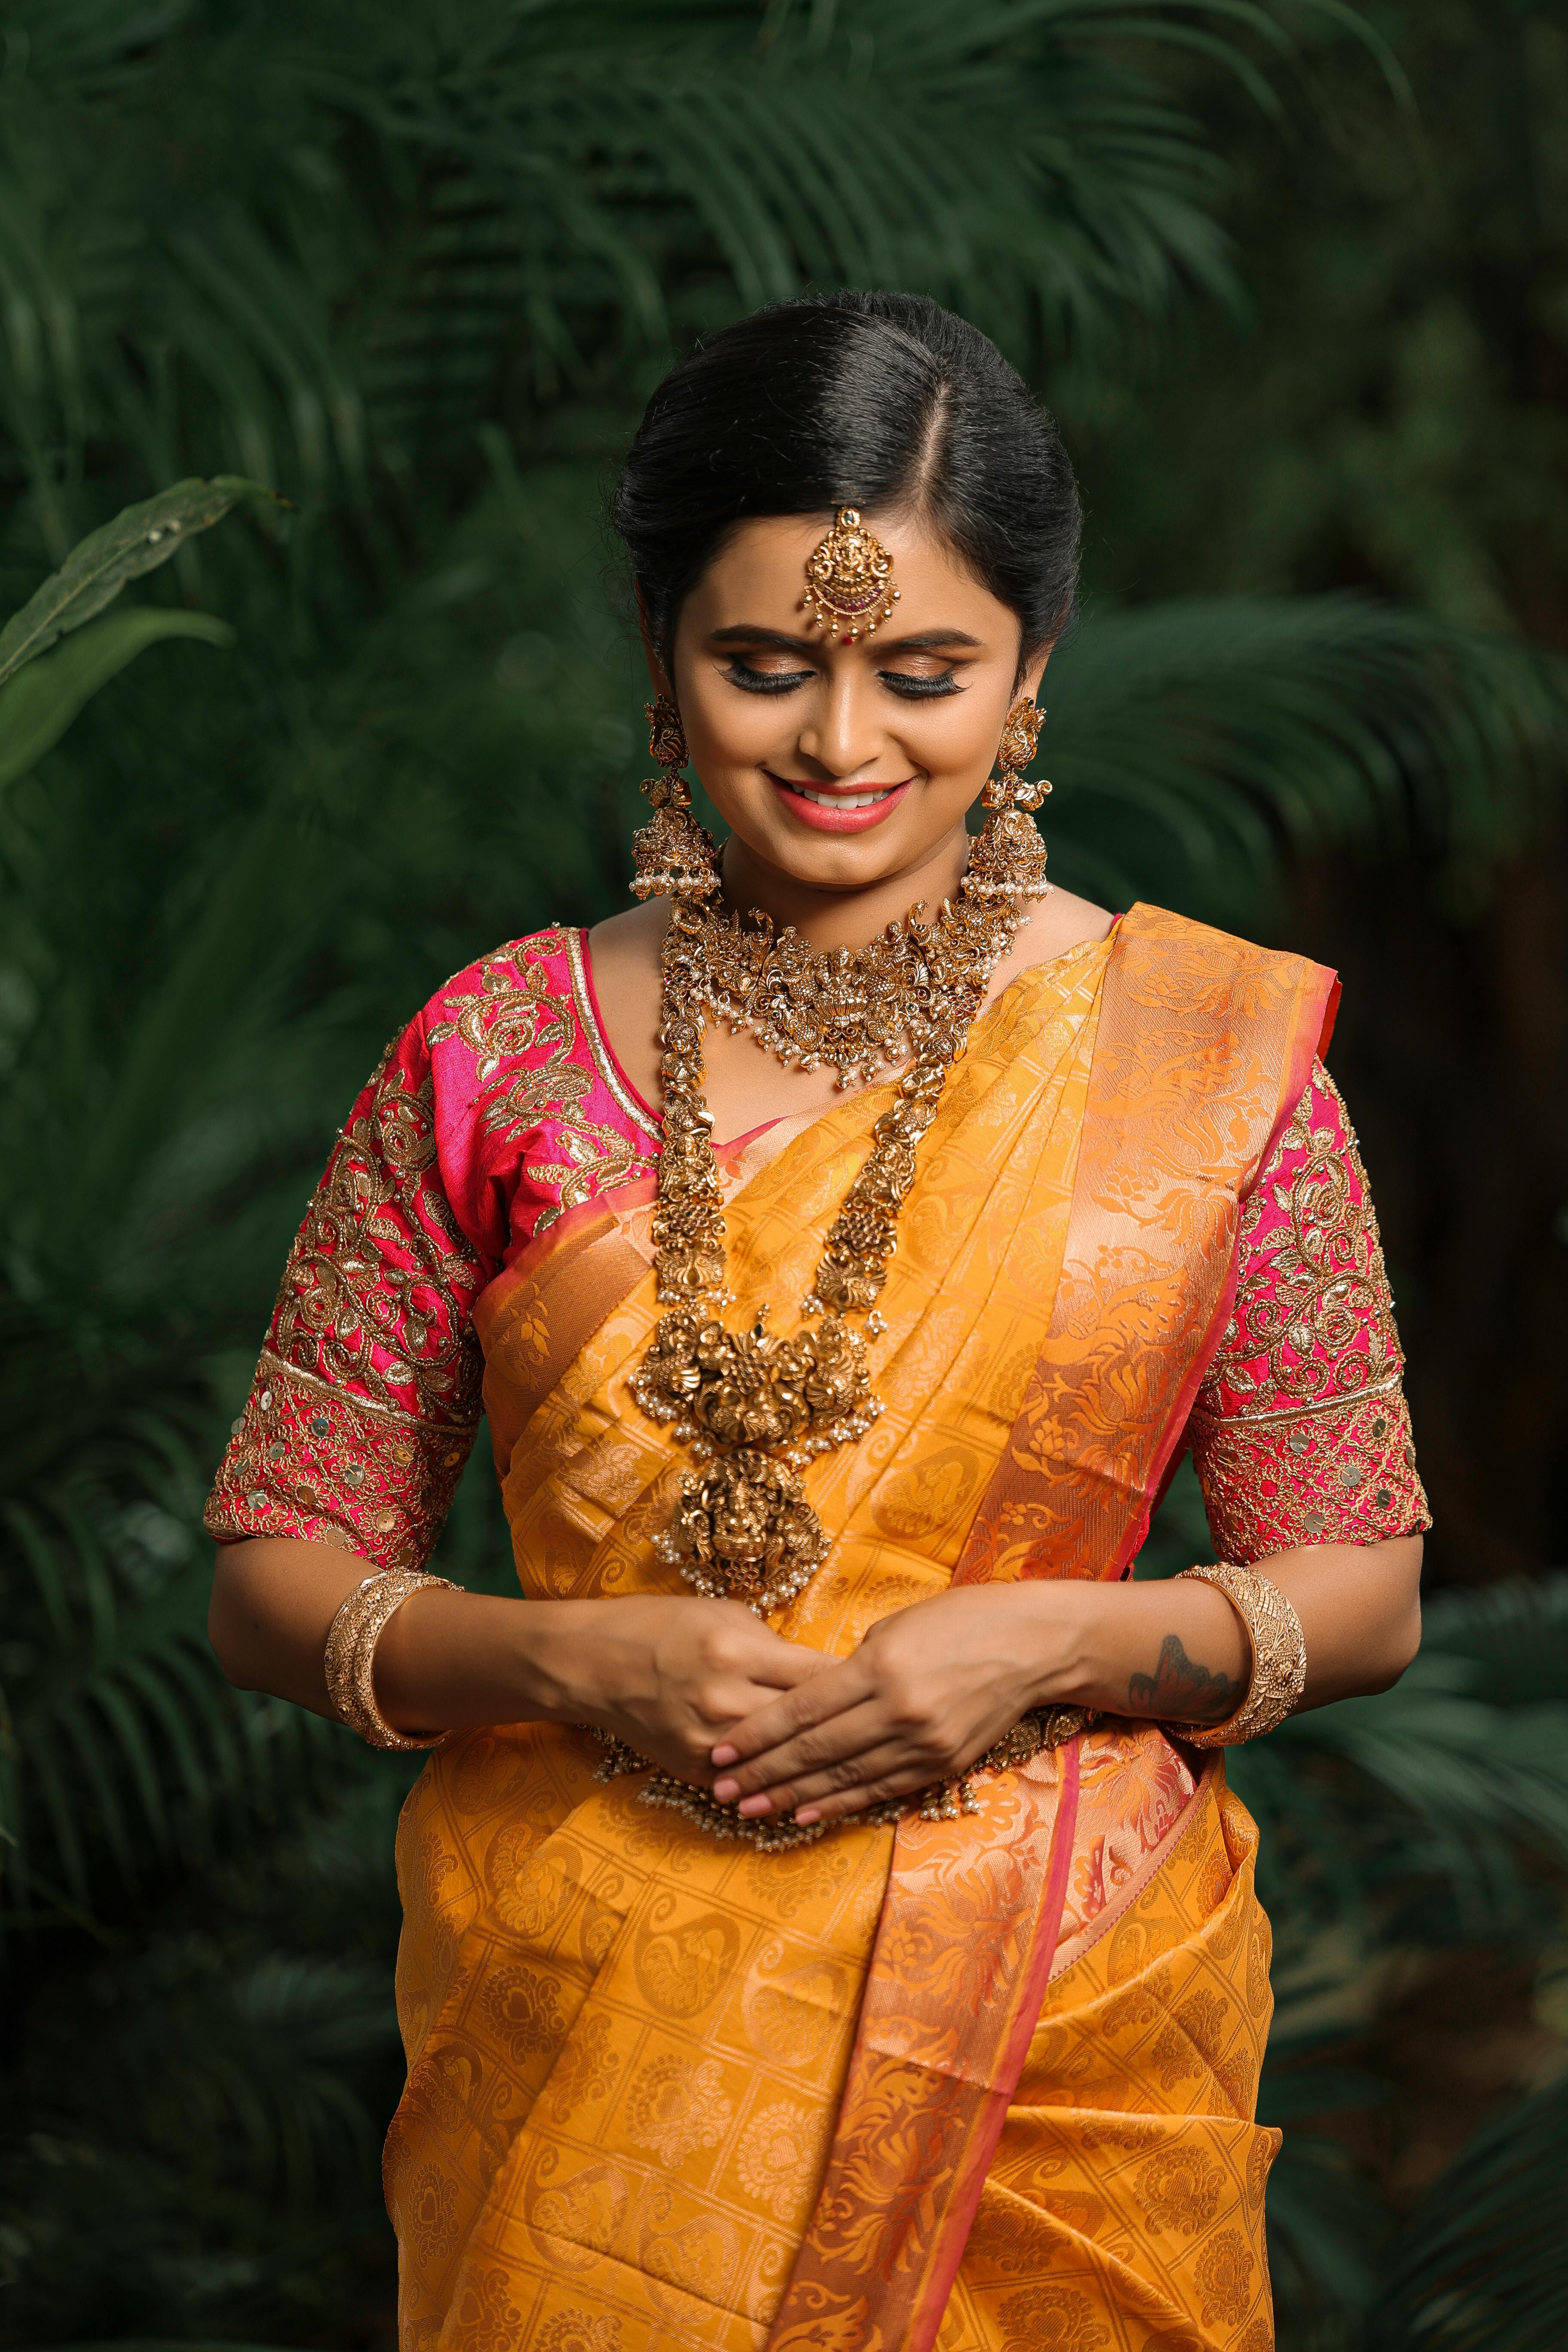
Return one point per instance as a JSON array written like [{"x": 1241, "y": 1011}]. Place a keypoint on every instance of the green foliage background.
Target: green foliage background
[{"x": 1294, "y": 281}]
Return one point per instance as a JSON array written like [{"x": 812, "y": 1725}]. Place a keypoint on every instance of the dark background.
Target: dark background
[{"x": 1296, "y": 284}]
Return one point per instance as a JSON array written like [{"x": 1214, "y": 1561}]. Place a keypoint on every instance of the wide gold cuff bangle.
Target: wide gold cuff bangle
[
  {"x": 1278, "y": 1673},
  {"x": 351, "y": 1654}
]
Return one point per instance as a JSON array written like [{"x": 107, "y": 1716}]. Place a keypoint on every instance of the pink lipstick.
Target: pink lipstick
[{"x": 836, "y": 809}]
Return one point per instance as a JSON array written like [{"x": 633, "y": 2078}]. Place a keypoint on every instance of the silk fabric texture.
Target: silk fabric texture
[{"x": 987, "y": 2083}]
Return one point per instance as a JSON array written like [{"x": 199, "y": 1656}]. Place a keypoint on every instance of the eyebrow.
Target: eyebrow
[{"x": 926, "y": 641}]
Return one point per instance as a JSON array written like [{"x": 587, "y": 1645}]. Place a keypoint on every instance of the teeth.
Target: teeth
[{"x": 842, "y": 800}]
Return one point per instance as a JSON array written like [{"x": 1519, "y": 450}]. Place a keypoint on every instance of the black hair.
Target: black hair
[{"x": 869, "y": 400}]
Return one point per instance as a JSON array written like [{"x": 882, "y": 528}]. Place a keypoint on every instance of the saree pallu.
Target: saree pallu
[{"x": 982, "y": 2083}]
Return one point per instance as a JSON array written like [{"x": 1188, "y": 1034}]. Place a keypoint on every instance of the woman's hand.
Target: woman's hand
[
  {"x": 925, "y": 1695},
  {"x": 668, "y": 1674},
  {"x": 672, "y": 1676}
]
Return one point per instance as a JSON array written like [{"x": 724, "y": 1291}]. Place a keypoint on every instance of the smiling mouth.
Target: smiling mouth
[{"x": 825, "y": 798}]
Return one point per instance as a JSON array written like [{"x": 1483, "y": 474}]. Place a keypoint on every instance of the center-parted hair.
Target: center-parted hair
[{"x": 871, "y": 400}]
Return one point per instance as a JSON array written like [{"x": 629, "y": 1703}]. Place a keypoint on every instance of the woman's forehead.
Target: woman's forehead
[{"x": 759, "y": 575}]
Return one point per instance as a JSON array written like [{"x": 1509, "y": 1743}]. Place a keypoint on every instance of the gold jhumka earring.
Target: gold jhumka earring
[
  {"x": 848, "y": 579},
  {"x": 1008, "y": 855},
  {"x": 675, "y": 856}
]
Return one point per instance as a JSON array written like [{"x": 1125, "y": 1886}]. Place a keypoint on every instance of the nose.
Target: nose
[{"x": 842, "y": 732}]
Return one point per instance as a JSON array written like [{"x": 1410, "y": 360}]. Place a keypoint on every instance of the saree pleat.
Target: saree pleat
[
  {"x": 1125, "y": 2203},
  {"x": 645, "y": 2065}
]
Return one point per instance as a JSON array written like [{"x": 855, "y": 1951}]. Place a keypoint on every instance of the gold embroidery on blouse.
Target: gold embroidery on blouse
[
  {"x": 1342, "y": 1471},
  {"x": 309, "y": 1460},
  {"x": 346, "y": 1297},
  {"x": 511, "y": 1013},
  {"x": 598, "y": 1044},
  {"x": 513, "y": 1010},
  {"x": 1321, "y": 1283},
  {"x": 1334, "y": 1462}
]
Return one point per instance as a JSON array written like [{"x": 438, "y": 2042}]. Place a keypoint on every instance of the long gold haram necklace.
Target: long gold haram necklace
[{"x": 755, "y": 1406}]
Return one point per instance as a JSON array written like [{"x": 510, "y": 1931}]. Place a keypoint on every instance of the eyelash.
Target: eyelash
[{"x": 912, "y": 689}]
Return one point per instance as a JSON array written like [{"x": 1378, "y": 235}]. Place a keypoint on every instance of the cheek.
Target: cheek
[
  {"x": 956, "y": 736},
  {"x": 731, "y": 730}
]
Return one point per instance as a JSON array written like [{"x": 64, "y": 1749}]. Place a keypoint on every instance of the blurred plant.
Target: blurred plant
[
  {"x": 1483, "y": 2264},
  {"x": 1390, "y": 416}
]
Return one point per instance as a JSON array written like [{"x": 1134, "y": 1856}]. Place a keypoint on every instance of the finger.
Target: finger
[
  {"x": 729, "y": 1704},
  {"x": 791, "y": 1665},
  {"x": 818, "y": 1748},
  {"x": 770, "y": 1654},
  {"x": 813, "y": 1700},
  {"x": 870, "y": 1765},
  {"x": 809, "y": 1732},
  {"x": 888, "y": 1787}
]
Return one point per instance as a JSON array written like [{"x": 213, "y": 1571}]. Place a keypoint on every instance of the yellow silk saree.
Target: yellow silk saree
[{"x": 980, "y": 2084}]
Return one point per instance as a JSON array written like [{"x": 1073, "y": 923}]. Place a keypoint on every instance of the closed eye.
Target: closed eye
[
  {"x": 917, "y": 689},
  {"x": 765, "y": 681}
]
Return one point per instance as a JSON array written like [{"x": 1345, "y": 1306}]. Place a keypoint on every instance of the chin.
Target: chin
[{"x": 856, "y": 864}]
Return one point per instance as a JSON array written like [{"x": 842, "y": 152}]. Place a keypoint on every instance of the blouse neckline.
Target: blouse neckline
[{"x": 633, "y": 1101}]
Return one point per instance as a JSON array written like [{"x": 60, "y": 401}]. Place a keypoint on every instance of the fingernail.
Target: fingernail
[
  {"x": 725, "y": 1790},
  {"x": 806, "y": 1815},
  {"x": 725, "y": 1754},
  {"x": 756, "y": 1805}
]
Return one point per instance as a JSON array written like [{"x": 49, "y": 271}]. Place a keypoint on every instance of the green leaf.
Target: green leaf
[
  {"x": 36, "y": 707},
  {"x": 1482, "y": 2264},
  {"x": 137, "y": 540}
]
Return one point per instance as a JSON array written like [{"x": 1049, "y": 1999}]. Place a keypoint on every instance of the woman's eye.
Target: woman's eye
[
  {"x": 765, "y": 681},
  {"x": 915, "y": 689}
]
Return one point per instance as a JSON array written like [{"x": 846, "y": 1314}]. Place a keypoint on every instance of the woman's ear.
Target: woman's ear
[
  {"x": 1035, "y": 670},
  {"x": 655, "y": 666}
]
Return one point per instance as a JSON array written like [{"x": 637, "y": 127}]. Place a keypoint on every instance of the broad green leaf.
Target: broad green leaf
[
  {"x": 93, "y": 573},
  {"x": 37, "y": 705}
]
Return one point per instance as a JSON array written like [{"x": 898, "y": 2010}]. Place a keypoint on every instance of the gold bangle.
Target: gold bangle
[
  {"x": 351, "y": 1654},
  {"x": 1278, "y": 1673}
]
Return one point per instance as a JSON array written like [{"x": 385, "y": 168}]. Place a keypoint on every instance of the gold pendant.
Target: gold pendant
[
  {"x": 753, "y": 1388},
  {"x": 744, "y": 1530}
]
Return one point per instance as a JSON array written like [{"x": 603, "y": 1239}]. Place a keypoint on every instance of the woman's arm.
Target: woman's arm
[
  {"x": 667, "y": 1675},
  {"x": 931, "y": 1688}
]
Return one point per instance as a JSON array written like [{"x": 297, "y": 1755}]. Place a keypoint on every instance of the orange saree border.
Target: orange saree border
[
  {"x": 944, "y": 2032},
  {"x": 1205, "y": 1044},
  {"x": 1204, "y": 1047}
]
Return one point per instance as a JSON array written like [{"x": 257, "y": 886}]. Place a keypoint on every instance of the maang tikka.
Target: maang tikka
[
  {"x": 675, "y": 856},
  {"x": 849, "y": 586}
]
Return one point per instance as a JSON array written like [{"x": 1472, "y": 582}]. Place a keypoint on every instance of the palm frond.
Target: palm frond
[
  {"x": 549, "y": 181},
  {"x": 1195, "y": 744},
  {"x": 1482, "y": 2264}
]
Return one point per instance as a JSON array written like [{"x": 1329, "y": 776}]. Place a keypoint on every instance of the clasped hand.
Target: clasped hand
[
  {"x": 927, "y": 1691},
  {"x": 670, "y": 1676}
]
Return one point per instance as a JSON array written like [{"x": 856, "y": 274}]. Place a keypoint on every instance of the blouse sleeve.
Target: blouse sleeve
[
  {"x": 363, "y": 1411},
  {"x": 1300, "y": 1434}
]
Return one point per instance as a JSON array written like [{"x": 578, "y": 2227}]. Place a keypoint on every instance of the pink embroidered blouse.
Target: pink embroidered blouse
[{"x": 501, "y": 1105}]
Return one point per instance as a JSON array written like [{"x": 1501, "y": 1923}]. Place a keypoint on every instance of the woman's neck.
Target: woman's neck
[{"x": 842, "y": 919}]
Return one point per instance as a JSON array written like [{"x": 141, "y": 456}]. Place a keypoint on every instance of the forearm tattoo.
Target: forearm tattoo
[{"x": 1181, "y": 1691}]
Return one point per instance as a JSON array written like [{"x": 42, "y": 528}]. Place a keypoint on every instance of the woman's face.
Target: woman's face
[{"x": 843, "y": 765}]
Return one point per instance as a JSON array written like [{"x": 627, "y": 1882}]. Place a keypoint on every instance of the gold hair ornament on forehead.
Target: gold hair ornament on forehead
[{"x": 848, "y": 579}]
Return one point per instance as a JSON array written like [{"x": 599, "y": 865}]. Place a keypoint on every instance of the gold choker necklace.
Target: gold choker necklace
[{"x": 860, "y": 1011}]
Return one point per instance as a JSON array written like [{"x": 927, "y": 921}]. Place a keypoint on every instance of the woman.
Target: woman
[{"x": 827, "y": 1922}]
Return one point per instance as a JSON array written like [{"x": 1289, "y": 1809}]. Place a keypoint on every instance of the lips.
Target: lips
[{"x": 826, "y": 810}]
